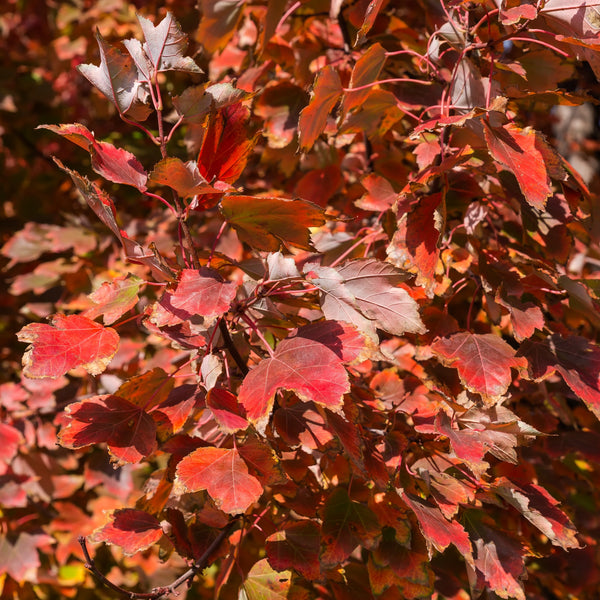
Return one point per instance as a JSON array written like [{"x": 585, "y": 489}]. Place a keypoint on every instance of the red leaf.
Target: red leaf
[
  {"x": 127, "y": 429},
  {"x": 296, "y": 547},
  {"x": 114, "y": 298},
  {"x": 326, "y": 92},
  {"x": 262, "y": 461},
  {"x": 525, "y": 317},
  {"x": 219, "y": 22},
  {"x": 118, "y": 165},
  {"x": 203, "y": 292},
  {"x": 69, "y": 342},
  {"x": 415, "y": 243},
  {"x": 115, "y": 164},
  {"x": 364, "y": 293},
  {"x": 269, "y": 223},
  {"x": 21, "y": 560},
  {"x": 184, "y": 178},
  {"x": 368, "y": 21},
  {"x": 498, "y": 565},
  {"x": 226, "y": 410},
  {"x": 517, "y": 151},
  {"x": 346, "y": 524},
  {"x": 540, "y": 509},
  {"x": 380, "y": 194},
  {"x": 133, "y": 530},
  {"x": 225, "y": 146},
  {"x": 10, "y": 438},
  {"x": 223, "y": 474},
  {"x": 117, "y": 79},
  {"x": 483, "y": 362},
  {"x": 365, "y": 71},
  {"x": 148, "y": 389},
  {"x": 280, "y": 105},
  {"x": 437, "y": 530},
  {"x": 313, "y": 370},
  {"x": 576, "y": 359}
]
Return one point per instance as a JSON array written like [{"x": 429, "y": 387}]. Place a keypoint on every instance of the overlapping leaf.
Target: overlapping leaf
[
  {"x": 129, "y": 430},
  {"x": 270, "y": 223},
  {"x": 346, "y": 525},
  {"x": 326, "y": 92},
  {"x": 114, "y": 298},
  {"x": 517, "y": 150},
  {"x": 133, "y": 530},
  {"x": 574, "y": 357},
  {"x": 365, "y": 293},
  {"x": 540, "y": 509},
  {"x": 68, "y": 342},
  {"x": 115, "y": 164},
  {"x": 117, "y": 79},
  {"x": 308, "y": 363},
  {"x": 264, "y": 583},
  {"x": 484, "y": 362},
  {"x": 223, "y": 474},
  {"x": 296, "y": 547}
]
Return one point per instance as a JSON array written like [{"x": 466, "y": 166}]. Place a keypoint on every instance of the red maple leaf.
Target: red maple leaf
[
  {"x": 69, "y": 342},
  {"x": 133, "y": 530},
  {"x": 127, "y": 429},
  {"x": 223, "y": 474}
]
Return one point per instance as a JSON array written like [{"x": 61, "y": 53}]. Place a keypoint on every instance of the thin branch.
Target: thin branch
[
  {"x": 163, "y": 591},
  {"x": 239, "y": 361}
]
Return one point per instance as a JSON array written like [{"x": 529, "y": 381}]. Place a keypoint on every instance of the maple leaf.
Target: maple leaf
[
  {"x": 392, "y": 565},
  {"x": 346, "y": 524},
  {"x": 518, "y": 151},
  {"x": 483, "y": 362},
  {"x": 364, "y": 293},
  {"x": 219, "y": 22},
  {"x": 310, "y": 366},
  {"x": 223, "y": 474},
  {"x": 225, "y": 145},
  {"x": 574, "y": 357},
  {"x": 102, "y": 204},
  {"x": 415, "y": 242},
  {"x": 498, "y": 562},
  {"x": 202, "y": 292},
  {"x": 10, "y": 438},
  {"x": 148, "y": 389},
  {"x": 269, "y": 223},
  {"x": 437, "y": 530},
  {"x": 117, "y": 79},
  {"x": 380, "y": 194},
  {"x": 365, "y": 71},
  {"x": 326, "y": 92},
  {"x": 262, "y": 460},
  {"x": 196, "y": 102},
  {"x": 296, "y": 546},
  {"x": 133, "y": 530},
  {"x": 263, "y": 583},
  {"x": 184, "y": 178},
  {"x": 115, "y": 164},
  {"x": 226, "y": 410},
  {"x": 114, "y": 298},
  {"x": 127, "y": 429},
  {"x": 20, "y": 559},
  {"x": 540, "y": 509},
  {"x": 69, "y": 342},
  {"x": 369, "y": 20},
  {"x": 163, "y": 49}
]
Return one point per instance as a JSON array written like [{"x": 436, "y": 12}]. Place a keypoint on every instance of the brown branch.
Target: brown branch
[
  {"x": 163, "y": 591},
  {"x": 239, "y": 361}
]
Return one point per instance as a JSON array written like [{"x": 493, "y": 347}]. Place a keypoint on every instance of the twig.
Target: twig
[
  {"x": 239, "y": 361},
  {"x": 163, "y": 591}
]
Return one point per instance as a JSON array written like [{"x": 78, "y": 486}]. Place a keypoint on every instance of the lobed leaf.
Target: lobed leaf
[
  {"x": 68, "y": 342},
  {"x": 223, "y": 474}
]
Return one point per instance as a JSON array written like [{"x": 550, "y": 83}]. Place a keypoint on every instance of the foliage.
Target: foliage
[{"x": 333, "y": 333}]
